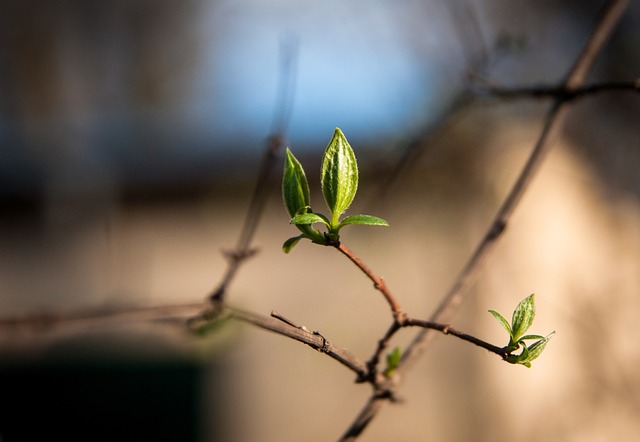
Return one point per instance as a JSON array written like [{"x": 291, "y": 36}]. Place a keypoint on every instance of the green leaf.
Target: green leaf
[
  {"x": 393, "y": 361},
  {"x": 536, "y": 349},
  {"x": 367, "y": 220},
  {"x": 502, "y": 321},
  {"x": 295, "y": 188},
  {"x": 532, "y": 337},
  {"x": 309, "y": 218},
  {"x": 291, "y": 242},
  {"x": 339, "y": 175},
  {"x": 522, "y": 317}
]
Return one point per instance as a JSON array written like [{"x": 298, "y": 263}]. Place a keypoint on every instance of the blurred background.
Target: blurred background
[{"x": 131, "y": 133}]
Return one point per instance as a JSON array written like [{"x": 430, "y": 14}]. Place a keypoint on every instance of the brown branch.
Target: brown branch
[
  {"x": 313, "y": 339},
  {"x": 609, "y": 17},
  {"x": 368, "y": 412},
  {"x": 383, "y": 343},
  {"x": 378, "y": 282},
  {"x": 197, "y": 315},
  {"x": 449, "y": 330}
]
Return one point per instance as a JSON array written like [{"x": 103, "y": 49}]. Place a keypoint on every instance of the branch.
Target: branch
[
  {"x": 378, "y": 282},
  {"x": 609, "y": 17},
  {"x": 243, "y": 250},
  {"x": 404, "y": 322},
  {"x": 383, "y": 343},
  {"x": 277, "y": 324},
  {"x": 83, "y": 318},
  {"x": 449, "y": 330}
]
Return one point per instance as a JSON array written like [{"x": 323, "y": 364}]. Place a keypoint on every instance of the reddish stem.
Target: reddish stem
[{"x": 378, "y": 282}]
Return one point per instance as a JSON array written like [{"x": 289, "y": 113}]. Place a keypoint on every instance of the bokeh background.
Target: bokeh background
[{"x": 131, "y": 133}]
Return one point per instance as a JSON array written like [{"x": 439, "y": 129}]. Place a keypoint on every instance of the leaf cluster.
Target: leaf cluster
[
  {"x": 339, "y": 181},
  {"x": 521, "y": 320}
]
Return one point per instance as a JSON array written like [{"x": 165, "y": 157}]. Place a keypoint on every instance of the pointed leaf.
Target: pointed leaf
[
  {"x": 523, "y": 317},
  {"x": 291, "y": 243},
  {"x": 367, "y": 220},
  {"x": 503, "y": 321},
  {"x": 295, "y": 188},
  {"x": 309, "y": 218},
  {"x": 532, "y": 337},
  {"x": 536, "y": 349},
  {"x": 339, "y": 175}
]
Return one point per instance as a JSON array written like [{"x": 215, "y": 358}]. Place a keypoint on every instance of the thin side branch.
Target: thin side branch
[
  {"x": 243, "y": 250},
  {"x": 313, "y": 339},
  {"x": 275, "y": 144},
  {"x": 449, "y": 330},
  {"x": 383, "y": 343},
  {"x": 378, "y": 282}
]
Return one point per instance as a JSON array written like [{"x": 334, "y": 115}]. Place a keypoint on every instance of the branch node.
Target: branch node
[
  {"x": 400, "y": 318},
  {"x": 325, "y": 343},
  {"x": 239, "y": 255}
]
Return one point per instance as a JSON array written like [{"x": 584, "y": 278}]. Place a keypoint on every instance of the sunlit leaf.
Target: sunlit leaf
[
  {"x": 295, "y": 188},
  {"x": 367, "y": 220},
  {"x": 536, "y": 349},
  {"x": 502, "y": 320},
  {"x": 523, "y": 317},
  {"x": 309, "y": 218},
  {"x": 532, "y": 337},
  {"x": 339, "y": 175}
]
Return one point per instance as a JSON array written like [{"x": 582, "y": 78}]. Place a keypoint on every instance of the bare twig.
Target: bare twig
[
  {"x": 300, "y": 334},
  {"x": 378, "y": 282},
  {"x": 83, "y": 318},
  {"x": 449, "y": 330},
  {"x": 609, "y": 17},
  {"x": 383, "y": 343},
  {"x": 243, "y": 250}
]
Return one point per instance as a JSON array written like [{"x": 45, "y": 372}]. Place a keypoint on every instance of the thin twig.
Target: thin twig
[
  {"x": 300, "y": 334},
  {"x": 383, "y": 343},
  {"x": 242, "y": 250},
  {"x": 275, "y": 143},
  {"x": 368, "y": 412},
  {"x": 609, "y": 17},
  {"x": 449, "y": 330},
  {"x": 378, "y": 282},
  {"x": 85, "y": 317}
]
